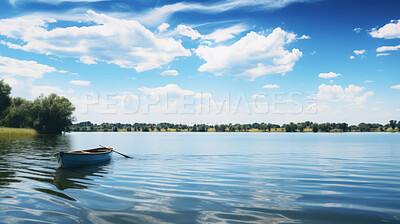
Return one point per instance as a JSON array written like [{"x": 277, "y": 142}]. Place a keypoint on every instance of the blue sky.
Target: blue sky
[{"x": 207, "y": 61}]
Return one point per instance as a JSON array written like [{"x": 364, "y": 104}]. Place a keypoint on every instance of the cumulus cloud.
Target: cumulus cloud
[
  {"x": 304, "y": 37},
  {"x": 395, "y": 87},
  {"x": 45, "y": 90},
  {"x": 357, "y": 30},
  {"x": 258, "y": 96},
  {"x": 388, "y": 31},
  {"x": 352, "y": 57},
  {"x": 80, "y": 82},
  {"x": 170, "y": 73},
  {"x": 125, "y": 43},
  {"x": 252, "y": 56},
  {"x": 171, "y": 89},
  {"x": 329, "y": 75},
  {"x": 163, "y": 27},
  {"x": 20, "y": 75},
  {"x": 352, "y": 94},
  {"x": 359, "y": 52},
  {"x": 388, "y": 48},
  {"x": 224, "y": 34},
  {"x": 188, "y": 31},
  {"x": 271, "y": 86},
  {"x": 22, "y": 68}
]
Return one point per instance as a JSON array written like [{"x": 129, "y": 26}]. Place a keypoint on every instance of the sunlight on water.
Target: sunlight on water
[{"x": 204, "y": 177}]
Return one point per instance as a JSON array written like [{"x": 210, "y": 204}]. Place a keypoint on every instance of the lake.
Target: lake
[{"x": 205, "y": 178}]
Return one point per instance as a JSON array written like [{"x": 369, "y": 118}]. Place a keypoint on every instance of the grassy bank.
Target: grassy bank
[{"x": 16, "y": 132}]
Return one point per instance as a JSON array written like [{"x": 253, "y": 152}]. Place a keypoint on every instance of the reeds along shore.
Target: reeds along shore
[{"x": 16, "y": 132}]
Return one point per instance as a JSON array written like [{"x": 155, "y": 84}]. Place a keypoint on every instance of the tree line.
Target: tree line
[
  {"x": 307, "y": 126},
  {"x": 47, "y": 115}
]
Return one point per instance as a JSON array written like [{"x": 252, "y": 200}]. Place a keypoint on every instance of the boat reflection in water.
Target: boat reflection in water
[{"x": 79, "y": 178}]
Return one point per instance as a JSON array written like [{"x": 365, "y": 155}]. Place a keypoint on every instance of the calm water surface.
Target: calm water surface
[{"x": 204, "y": 178}]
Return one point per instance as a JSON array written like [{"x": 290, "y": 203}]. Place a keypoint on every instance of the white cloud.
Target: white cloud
[
  {"x": 258, "y": 96},
  {"x": 357, "y": 30},
  {"x": 304, "y": 37},
  {"x": 252, "y": 56},
  {"x": 388, "y": 48},
  {"x": 125, "y": 43},
  {"x": 21, "y": 74},
  {"x": 351, "y": 57},
  {"x": 80, "y": 82},
  {"x": 395, "y": 87},
  {"x": 170, "y": 90},
  {"x": 163, "y": 27},
  {"x": 351, "y": 94},
  {"x": 388, "y": 31},
  {"x": 221, "y": 35},
  {"x": 87, "y": 60},
  {"x": 382, "y": 54},
  {"x": 170, "y": 73},
  {"x": 45, "y": 90},
  {"x": 368, "y": 81},
  {"x": 160, "y": 14},
  {"x": 359, "y": 52},
  {"x": 22, "y": 68},
  {"x": 188, "y": 31},
  {"x": 271, "y": 86},
  {"x": 329, "y": 75},
  {"x": 14, "y": 2}
]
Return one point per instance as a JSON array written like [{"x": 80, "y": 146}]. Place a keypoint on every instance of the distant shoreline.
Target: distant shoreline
[
  {"x": 307, "y": 126},
  {"x": 248, "y": 131}
]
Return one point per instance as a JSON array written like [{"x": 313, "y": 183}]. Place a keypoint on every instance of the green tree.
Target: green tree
[
  {"x": 364, "y": 127},
  {"x": 52, "y": 114},
  {"x": 269, "y": 126},
  {"x": 5, "y": 99},
  {"x": 392, "y": 124},
  {"x": 301, "y": 126},
  {"x": 129, "y": 129},
  {"x": 19, "y": 114},
  {"x": 314, "y": 127}
]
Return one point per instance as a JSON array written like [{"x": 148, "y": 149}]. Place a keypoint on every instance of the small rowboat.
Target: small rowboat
[{"x": 84, "y": 157}]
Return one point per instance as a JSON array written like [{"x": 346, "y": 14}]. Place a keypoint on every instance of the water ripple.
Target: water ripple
[{"x": 276, "y": 179}]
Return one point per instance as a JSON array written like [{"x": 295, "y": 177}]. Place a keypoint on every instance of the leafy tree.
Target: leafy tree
[
  {"x": 392, "y": 124},
  {"x": 324, "y": 127},
  {"x": 129, "y": 129},
  {"x": 364, "y": 127},
  {"x": 52, "y": 114},
  {"x": 301, "y": 126},
  {"x": 115, "y": 129},
  {"x": 343, "y": 126},
  {"x": 19, "y": 114},
  {"x": 314, "y": 127},
  {"x": 290, "y": 127},
  {"x": 269, "y": 126},
  {"x": 5, "y": 99}
]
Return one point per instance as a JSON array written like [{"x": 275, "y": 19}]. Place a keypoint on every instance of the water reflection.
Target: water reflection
[
  {"x": 79, "y": 178},
  {"x": 208, "y": 178}
]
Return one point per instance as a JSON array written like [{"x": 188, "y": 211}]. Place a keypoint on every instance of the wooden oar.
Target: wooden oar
[{"x": 117, "y": 152}]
